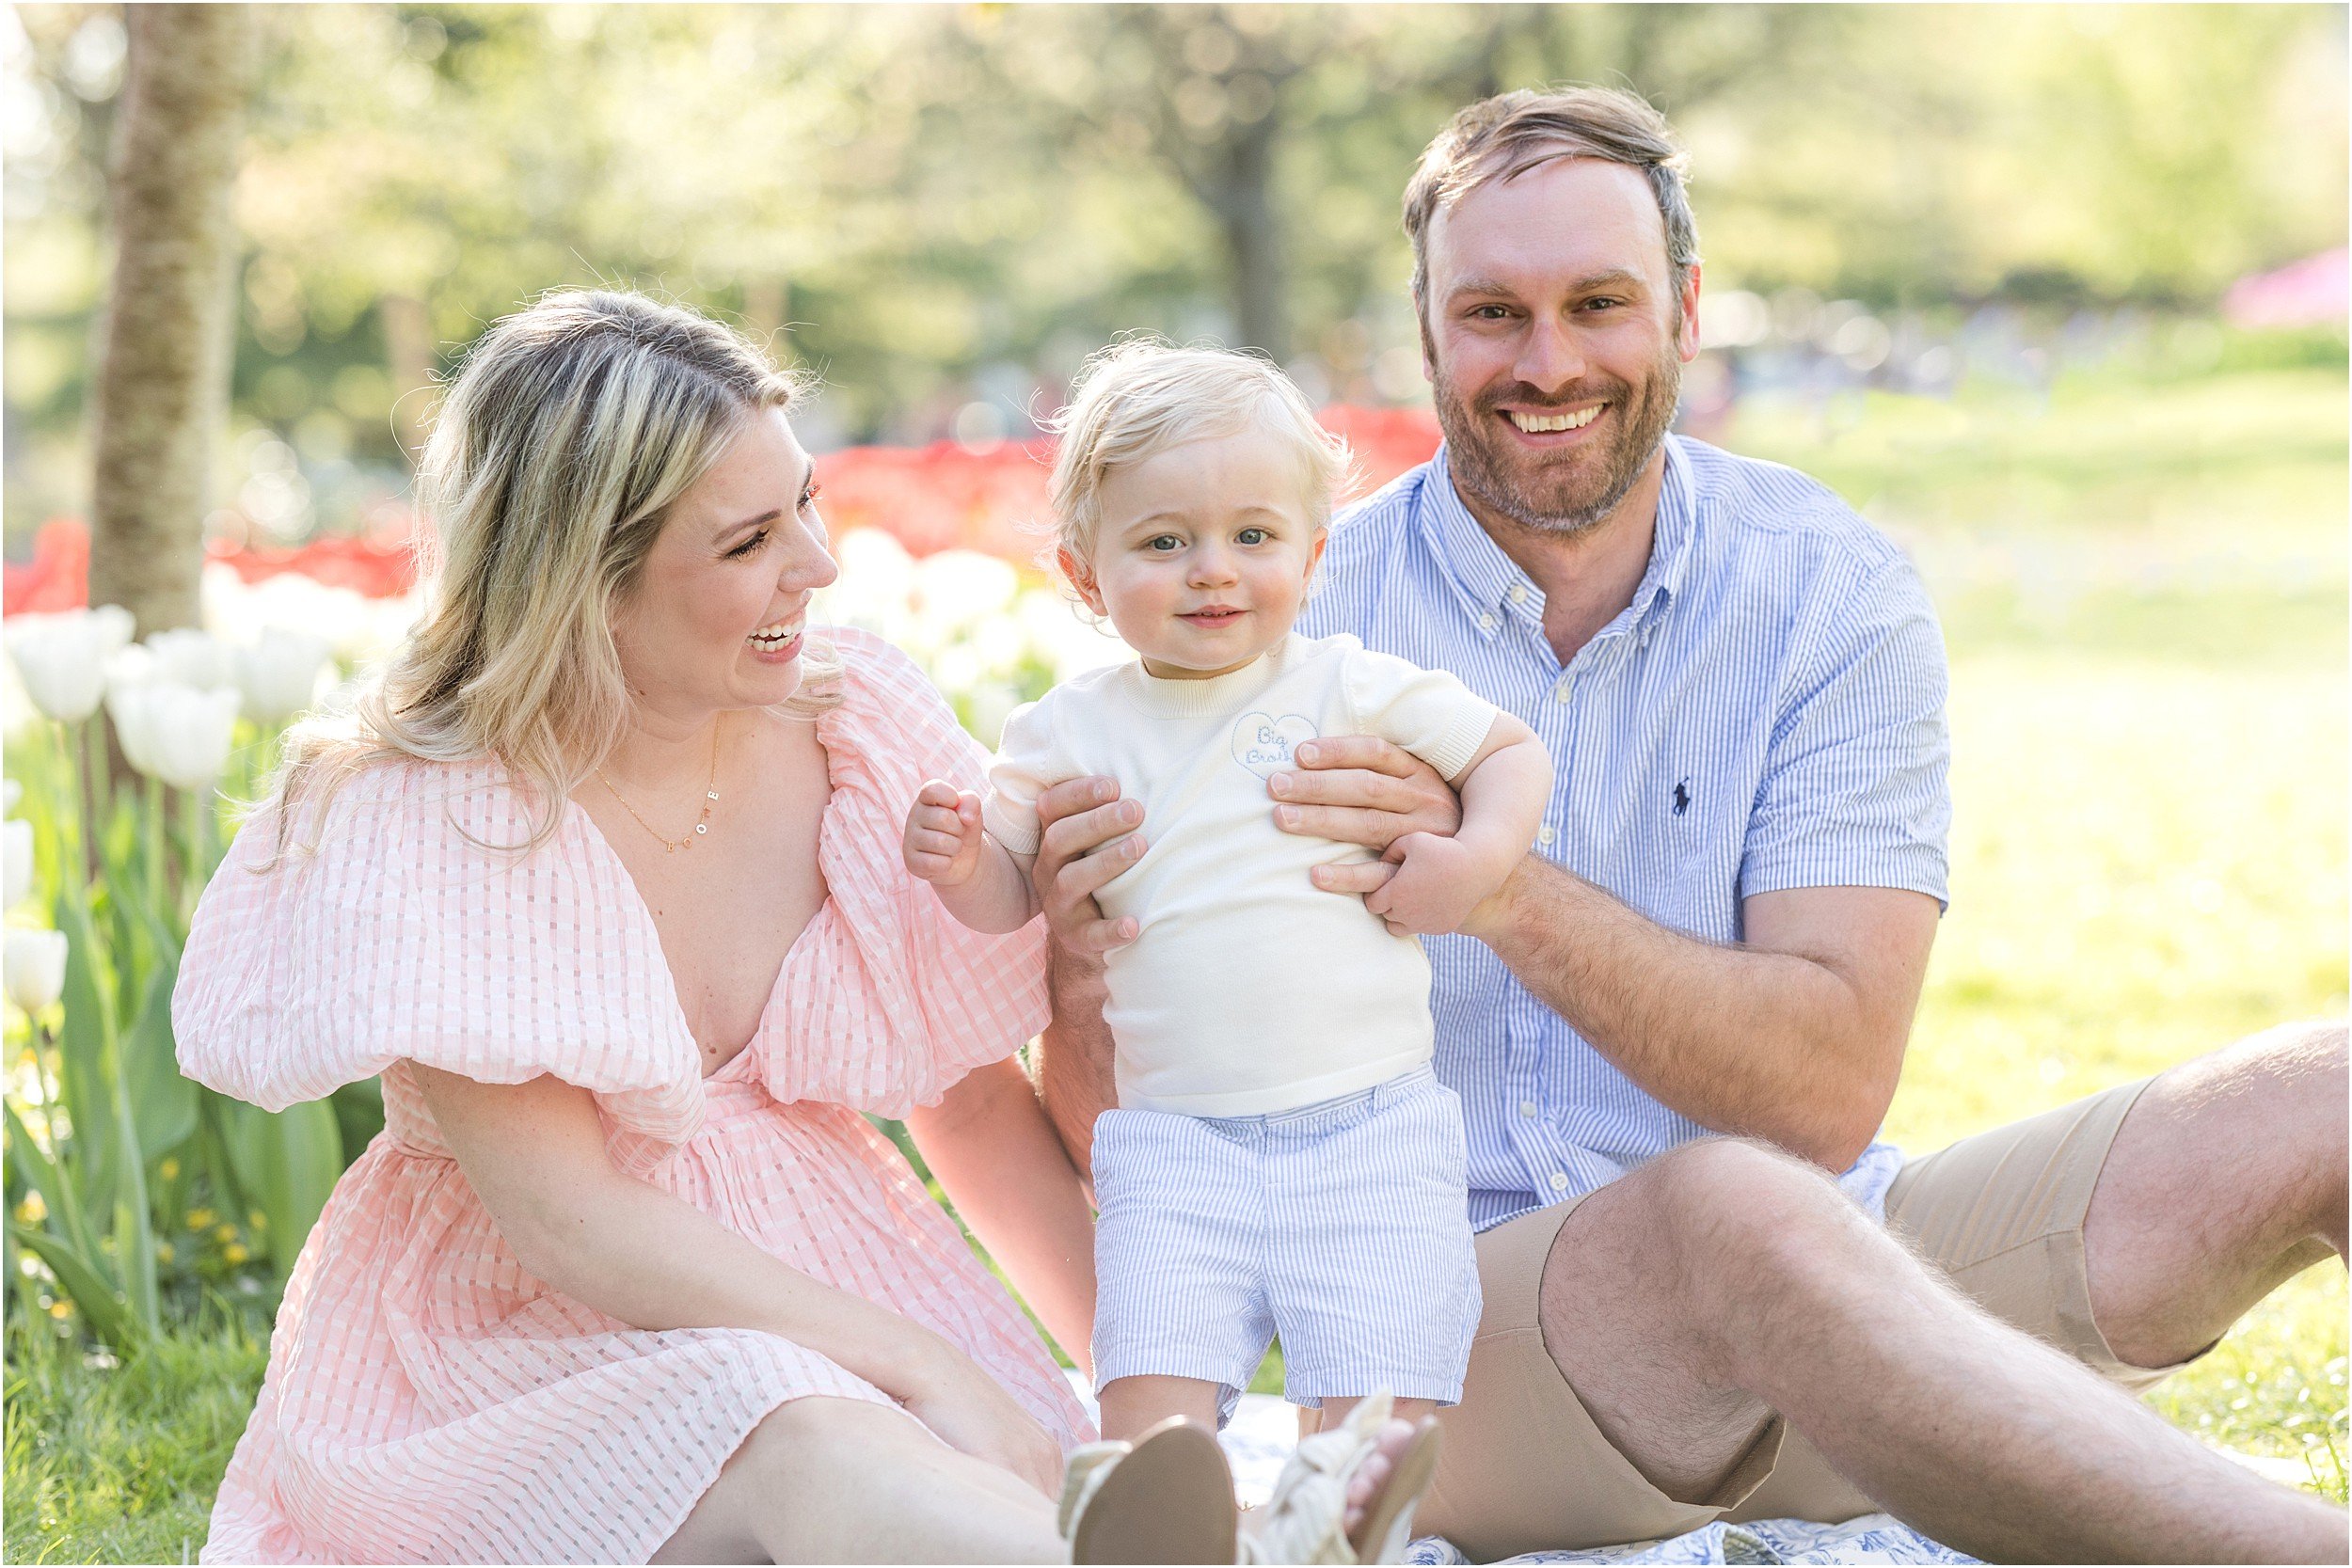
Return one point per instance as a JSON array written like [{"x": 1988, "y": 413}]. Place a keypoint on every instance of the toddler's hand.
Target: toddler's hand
[
  {"x": 942, "y": 842},
  {"x": 1434, "y": 890}
]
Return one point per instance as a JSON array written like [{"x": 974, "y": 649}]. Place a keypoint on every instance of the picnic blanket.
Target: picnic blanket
[{"x": 1263, "y": 1429}]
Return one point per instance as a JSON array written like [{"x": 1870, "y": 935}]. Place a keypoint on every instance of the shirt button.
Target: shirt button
[
  {"x": 1545, "y": 835},
  {"x": 1486, "y": 622},
  {"x": 1560, "y": 692},
  {"x": 1527, "y": 1107},
  {"x": 1559, "y": 1180},
  {"x": 1519, "y": 593}
]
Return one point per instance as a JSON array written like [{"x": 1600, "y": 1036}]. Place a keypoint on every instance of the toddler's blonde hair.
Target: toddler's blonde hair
[{"x": 1142, "y": 396}]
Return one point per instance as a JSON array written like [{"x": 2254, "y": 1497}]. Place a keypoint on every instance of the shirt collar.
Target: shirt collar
[
  {"x": 1491, "y": 584},
  {"x": 1482, "y": 574}
]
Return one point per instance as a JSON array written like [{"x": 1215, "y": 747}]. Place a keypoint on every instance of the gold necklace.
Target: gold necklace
[{"x": 702, "y": 823}]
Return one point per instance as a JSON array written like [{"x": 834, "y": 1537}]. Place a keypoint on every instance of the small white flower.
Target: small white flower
[
  {"x": 279, "y": 674},
  {"x": 175, "y": 733},
  {"x": 33, "y": 967},
  {"x": 62, "y": 658},
  {"x": 16, "y": 863}
]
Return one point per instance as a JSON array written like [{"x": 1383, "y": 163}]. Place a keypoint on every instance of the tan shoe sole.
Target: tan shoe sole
[
  {"x": 1391, "y": 1514},
  {"x": 1171, "y": 1501}
]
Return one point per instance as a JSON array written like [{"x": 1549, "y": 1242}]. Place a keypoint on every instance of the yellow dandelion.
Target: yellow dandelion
[
  {"x": 256, "y": 1219},
  {"x": 61, "y": 1309},
  {"x": 162, "y": 1252},
  {"x": 169, "y": 1169},
  {"x": 235, "y": 1253},
  {"x": 199, "y": 1218},
  {"x": 224, "y": 1233}
]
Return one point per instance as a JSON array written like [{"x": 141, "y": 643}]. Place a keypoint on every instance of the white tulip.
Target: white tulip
[
  {"x": 33, "y": 967},
  {"x": 16, "y": 863},
  {"x": 992, "y": 703},
  {"x": 279, "y": 674},
  {"x": 191, "y": 657},
  {"x": 62, "y": 658},
  {"x": 960, "y": 587},
  {"x": 175, "y": 733}
]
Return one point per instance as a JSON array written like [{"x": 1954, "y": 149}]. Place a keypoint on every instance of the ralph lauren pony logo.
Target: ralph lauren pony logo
[
  {"x": 1263, "y": 744},
  {"x": 1682, "y": 796}
]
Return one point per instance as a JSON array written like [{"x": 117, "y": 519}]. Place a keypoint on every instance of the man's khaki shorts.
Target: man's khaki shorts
[{"x": 1524, "y": 1469}]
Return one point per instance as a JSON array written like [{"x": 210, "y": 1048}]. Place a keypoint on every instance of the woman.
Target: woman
[{"x": 603, "y": 880}]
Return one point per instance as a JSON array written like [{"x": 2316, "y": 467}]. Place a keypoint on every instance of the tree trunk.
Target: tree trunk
[
  {"x": 1253, "y": 236},
  {"x": 164, "y": 357}
]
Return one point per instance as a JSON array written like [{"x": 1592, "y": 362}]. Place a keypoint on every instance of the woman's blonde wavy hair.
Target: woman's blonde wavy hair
[{"x": 560, "y": 445}]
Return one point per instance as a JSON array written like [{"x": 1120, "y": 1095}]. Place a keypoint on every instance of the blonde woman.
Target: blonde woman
[{"x": 604, "y": 880}]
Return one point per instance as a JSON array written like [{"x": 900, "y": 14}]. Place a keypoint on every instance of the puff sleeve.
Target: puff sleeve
[
  {"x": 898, "y": 998},
  {"x": 405, "y": 926}
]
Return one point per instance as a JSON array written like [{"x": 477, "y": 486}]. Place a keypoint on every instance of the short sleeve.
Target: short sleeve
[
  {"x": 1429, "y": 713},
  {"x": 1025, "y": 769},
  {"x": 1855, "y": 790},
  {"x": 404, "y": 922}
]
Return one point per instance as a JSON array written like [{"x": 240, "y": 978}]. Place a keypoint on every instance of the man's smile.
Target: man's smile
[{"x": 1527, "y": 421}]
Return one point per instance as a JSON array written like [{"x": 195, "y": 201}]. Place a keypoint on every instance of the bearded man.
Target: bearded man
[{"x": 1711, "y": 1292}]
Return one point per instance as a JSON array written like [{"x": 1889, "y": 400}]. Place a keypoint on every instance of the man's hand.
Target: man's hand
[
  {"x": 1087, "y": 840},
  {"x": 1359, "y": 790}
]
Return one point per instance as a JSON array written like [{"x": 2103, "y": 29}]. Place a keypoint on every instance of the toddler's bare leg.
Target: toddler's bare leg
[
  {"x": 1132, "y": 1406},
  {"x": 1335, "y": 1411}
]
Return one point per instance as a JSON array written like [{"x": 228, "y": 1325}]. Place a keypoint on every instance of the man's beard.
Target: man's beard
[{"x": 1559, "y": 497}]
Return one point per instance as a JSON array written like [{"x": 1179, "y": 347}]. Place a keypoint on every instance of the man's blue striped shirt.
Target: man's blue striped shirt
[{"x": 1768, "y": 713}]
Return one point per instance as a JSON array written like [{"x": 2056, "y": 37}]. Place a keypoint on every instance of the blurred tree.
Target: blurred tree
[
  {"x": 928, "y": 204},
  {"x": 163, "y": 359}
]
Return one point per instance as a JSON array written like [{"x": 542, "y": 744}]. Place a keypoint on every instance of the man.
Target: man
[{"x": 1690, "y": 1005}]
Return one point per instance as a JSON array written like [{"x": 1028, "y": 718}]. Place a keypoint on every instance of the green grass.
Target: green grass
[
  {"x": 2143, "y": 592},
  {"x": 120, "y": 1463}
]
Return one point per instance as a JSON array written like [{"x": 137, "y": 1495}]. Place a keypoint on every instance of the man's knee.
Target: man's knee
[
  {"x": 2286, "y": 1086},
  {"x": 1742, "y": 1217},
  {"x": 2308, "y": 1053}
]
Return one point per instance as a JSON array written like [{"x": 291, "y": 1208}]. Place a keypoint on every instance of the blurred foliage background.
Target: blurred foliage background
[
  {"x": 943, "y": 209},
  {"x": 2052, "y": 294}
]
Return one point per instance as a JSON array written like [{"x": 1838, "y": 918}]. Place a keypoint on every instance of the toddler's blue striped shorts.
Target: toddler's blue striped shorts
[{"x": 1342, "y": 1227}]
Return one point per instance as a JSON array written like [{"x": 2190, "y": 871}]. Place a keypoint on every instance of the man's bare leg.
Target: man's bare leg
[
  {"x": 1688, "y": 1300},
  {"x": 2227, "y": 1178}
]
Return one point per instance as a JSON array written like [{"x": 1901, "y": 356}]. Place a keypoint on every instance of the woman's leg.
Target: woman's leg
[{"x": 846, "y": 1480}]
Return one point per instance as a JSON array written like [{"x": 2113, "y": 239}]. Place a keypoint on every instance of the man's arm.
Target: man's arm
[{"x": 1795, "y": 1035}]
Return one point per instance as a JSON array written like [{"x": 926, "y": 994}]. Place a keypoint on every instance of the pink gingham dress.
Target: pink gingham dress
[{"x": 427, "y": 1399}]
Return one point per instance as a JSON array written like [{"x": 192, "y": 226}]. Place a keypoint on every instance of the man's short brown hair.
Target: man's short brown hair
[{"x": 1505, "y": 135}]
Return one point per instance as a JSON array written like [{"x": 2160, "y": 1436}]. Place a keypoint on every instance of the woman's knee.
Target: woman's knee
[{"x": 806, "y": 1437}]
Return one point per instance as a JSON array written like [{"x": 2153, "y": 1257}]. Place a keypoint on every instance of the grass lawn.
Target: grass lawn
[{"x": 2143, "y": 594}]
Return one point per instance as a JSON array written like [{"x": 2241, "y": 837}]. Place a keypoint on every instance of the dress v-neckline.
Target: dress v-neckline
[{"x": 642, "y": 916}]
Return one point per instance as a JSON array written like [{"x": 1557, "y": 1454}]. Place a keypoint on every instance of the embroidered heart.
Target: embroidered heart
[{"x": 1263, "y": 744}]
